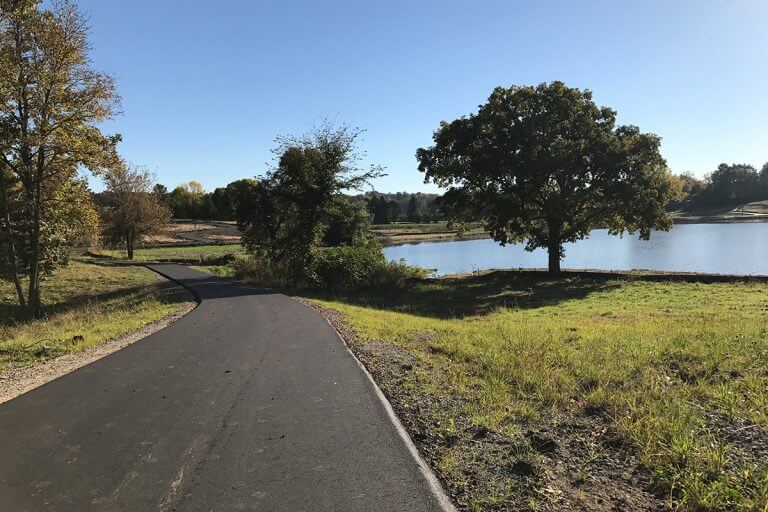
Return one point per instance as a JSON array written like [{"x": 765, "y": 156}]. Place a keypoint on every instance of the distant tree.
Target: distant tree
[
  {"x": 544, "y": 166},
  {"x": 187, "y": 201},
  {"x": 685, "y": 187},
  {"x": 288, "y": 212},
  {"x": 136, "y": 211},
  {"x": 394, "y": 212},
  {"x": 764, "y": 175},
  {"x": 160, "y": 191},
  {"x": 413, "y": 212},
  {"x": 731, "y": 185},
  {"x": 378, "y": 206},
  {"x": 51, "y": 105}
]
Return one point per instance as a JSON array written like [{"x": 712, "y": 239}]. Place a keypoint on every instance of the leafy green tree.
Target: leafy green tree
[
  {"x": 545, "y": 165},
  {"x": 413, "y": 212},
  {"x": 287, "y": 214},
  {"x": 348, "y": 222},
  {"x": 187, "y": 201},
  {"x": 135, "y": 211},
  {"x": 51, "y": 104}
]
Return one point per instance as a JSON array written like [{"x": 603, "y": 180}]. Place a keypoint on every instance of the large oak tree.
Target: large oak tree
[{"x": 545, "y": 165}]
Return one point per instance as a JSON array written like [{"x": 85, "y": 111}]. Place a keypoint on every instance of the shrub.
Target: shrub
[
  {"x": 348, "y": 267},
  {"x": 359, "y": 266},
  {"x": 259, "y": 271},
  {"x": 394, "y": 274}
]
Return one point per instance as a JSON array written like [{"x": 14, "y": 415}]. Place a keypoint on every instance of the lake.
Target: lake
[{"x": 712, "y": 248}]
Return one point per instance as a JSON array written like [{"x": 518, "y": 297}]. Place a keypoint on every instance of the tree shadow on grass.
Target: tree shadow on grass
[
  {"x": 12, "y": 314},
  {"x": 480, "y": 294}
]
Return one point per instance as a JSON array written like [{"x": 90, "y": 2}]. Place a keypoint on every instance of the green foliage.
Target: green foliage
[
  {"x": 335, "y": 269},
  {"x": 286, "y": 214},
  {"x": 402, "y": 206},
  {"x": 51, "y": 103},
  {"x": 348, "y": 223},
  {"x": 546, "y": 165},
  {"x": 135, "y": 211},
  {"x": 729, "y": 185},
  {"x": 349, "y": 267}
]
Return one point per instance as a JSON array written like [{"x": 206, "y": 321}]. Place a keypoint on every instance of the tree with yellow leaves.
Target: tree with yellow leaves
[{"x": 51, "y": 101}]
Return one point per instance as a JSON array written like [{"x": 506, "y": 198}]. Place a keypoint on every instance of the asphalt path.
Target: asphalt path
[{"x": 250, "y": 402}]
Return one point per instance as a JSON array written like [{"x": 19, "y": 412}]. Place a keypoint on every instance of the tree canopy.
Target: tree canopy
[
  {"x": 545, "y": 165},
  {"x": 51, "y": 102},
  {"x": 291, "y": 208},
  {"x": 134, "y": 209}
]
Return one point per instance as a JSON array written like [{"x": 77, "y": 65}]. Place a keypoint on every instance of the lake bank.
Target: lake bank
[
  {"x": 402, "y": 234},
  {"x": 736, "y": 248}
]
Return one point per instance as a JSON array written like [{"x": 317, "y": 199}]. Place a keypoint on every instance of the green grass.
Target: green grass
[
  {"x": 184, "y": 254},
  {"x": 84, "y": 305},
  {"x": 666, "y": 362}
]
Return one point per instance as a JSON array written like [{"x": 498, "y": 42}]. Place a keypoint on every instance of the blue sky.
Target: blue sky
[{"x": 207, "y": 86}]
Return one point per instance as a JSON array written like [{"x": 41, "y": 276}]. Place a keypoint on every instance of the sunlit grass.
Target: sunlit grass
[
  {"x": 658, "y": 358},
  {"x": 187, "y": 254},
  {"x": 85, "y": 305}
]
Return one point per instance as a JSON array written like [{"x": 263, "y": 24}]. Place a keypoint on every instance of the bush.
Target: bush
[
  {"x": 347, "y": 268},
  {"x": 394, "y": 274},
  {"x": 258, "y": 271},
  {"x": 359, "y": 266}
]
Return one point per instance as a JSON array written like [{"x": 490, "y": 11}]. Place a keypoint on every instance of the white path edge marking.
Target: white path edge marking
[{"x": 434, "y": 483}]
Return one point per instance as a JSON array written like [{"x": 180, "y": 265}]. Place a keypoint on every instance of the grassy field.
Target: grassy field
[
  {"x": 757, "y": 210},
  {"x": 85, "y": 305},
  {"x": 409, "y": 232},
  {"x": 578, "y": 393},
  {"x": 201, "y": 254}
]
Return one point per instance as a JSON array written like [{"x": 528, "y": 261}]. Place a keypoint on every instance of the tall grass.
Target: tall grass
[{"x": 663, "y": 360}]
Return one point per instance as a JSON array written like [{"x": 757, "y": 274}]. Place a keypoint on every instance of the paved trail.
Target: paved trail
[{"x": 250, "y": 402}]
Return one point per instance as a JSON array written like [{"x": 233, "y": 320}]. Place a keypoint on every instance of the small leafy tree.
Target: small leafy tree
[
  {"x": 288, "y": 211},
  {"x": 135, "y": 210},
  {"x": 51, "y": 102},
  {"x": 545, "y": 165},
  {"x": 347, "y": 223}
]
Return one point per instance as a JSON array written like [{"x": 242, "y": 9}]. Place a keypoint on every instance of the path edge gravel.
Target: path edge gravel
[{"x": 435, "y": 485}]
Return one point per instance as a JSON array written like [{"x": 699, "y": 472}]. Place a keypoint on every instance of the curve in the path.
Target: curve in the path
[{"x": 250, "y": 402}]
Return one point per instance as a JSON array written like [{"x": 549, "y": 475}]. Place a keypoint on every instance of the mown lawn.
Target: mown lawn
[
  {"x": 584, "y": 392},
  {"x": 85, "y": 305},
  {"x": 204, "y": 254}
]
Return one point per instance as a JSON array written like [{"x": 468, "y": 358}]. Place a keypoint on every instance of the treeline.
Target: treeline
[
  {"x": 728, "y": 186},
  {"x": 401, "y": 207},
  {"x": 192, "y": 201}
]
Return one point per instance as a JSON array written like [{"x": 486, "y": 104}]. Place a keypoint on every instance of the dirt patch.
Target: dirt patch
[
  {"x": 17, "y": 381},
  {"x": 573, "y": 461}
]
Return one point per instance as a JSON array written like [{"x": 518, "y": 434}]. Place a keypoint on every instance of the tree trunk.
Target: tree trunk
[
  {"x": 129, "y": 246},
  {"x": 11, "y": 244},
  {"x": 555, "y": 253},
  {"x": 33, "y": 296}
]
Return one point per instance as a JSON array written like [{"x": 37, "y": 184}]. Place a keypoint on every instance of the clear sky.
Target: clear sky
[{"x": 207, "y": 86}]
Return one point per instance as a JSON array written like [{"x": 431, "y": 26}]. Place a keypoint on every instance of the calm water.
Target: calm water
[{"x": 713, "y": 248}]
